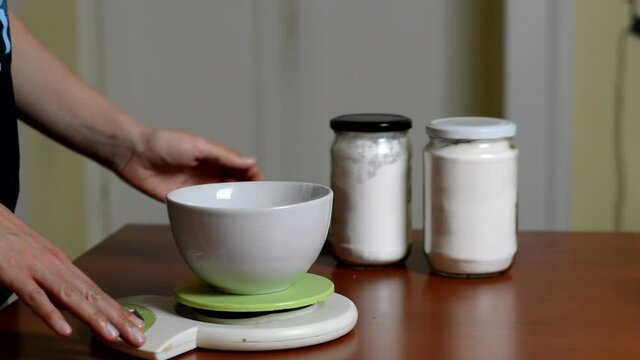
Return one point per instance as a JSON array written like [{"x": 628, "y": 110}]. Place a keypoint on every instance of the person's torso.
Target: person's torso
[{"x": 9, "y": 155}]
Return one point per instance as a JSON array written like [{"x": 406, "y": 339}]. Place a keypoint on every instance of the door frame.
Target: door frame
[{"x": 539, "y": 99}]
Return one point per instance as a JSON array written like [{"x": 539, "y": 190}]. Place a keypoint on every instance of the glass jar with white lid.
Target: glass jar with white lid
[{"x": 470, "y": 196}]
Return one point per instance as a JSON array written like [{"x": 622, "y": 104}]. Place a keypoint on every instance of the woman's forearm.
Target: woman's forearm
[{"x": 53, "y": 100}]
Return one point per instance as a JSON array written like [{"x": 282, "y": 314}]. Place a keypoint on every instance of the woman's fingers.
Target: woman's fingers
[
  {"x": 137, "y": 321},
  {"x": 86, "y": 301},
  {"x": 36, "y": 298}
]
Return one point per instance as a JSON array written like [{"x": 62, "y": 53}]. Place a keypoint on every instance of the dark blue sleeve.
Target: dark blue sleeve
[{"x": 9, "y": 152}]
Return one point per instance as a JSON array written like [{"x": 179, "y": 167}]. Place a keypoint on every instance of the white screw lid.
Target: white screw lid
[{"x": 471, "y": 128}]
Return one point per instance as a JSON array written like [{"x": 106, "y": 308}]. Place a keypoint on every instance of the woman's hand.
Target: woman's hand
[
  {"x": 46, "y": 281},
  {"x": 162, "y": 160}
]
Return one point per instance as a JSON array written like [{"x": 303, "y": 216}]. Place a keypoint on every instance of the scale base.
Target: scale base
[{"x": 169, "y": 334}]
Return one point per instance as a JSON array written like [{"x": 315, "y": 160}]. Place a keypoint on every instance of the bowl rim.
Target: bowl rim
[{"x": 170, "y": 197}]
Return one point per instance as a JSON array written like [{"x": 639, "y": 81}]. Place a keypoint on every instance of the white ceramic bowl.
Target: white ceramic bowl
[{"x": 250, "y": 237}]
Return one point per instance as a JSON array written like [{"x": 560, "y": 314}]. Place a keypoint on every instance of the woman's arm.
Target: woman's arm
[
  {"x": 53, "y": 100},
  {"x": 155, "y": 161},
  {"x": 47, "y": 97}
]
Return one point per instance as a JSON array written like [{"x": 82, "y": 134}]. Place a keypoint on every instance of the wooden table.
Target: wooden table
[{"x": 568, "y": 296}]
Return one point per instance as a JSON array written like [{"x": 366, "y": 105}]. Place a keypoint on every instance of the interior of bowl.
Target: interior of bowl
[{"x": 249, "y": 195}]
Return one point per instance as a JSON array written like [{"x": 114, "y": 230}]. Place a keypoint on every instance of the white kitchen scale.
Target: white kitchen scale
[{"x": 309, "y": 312}]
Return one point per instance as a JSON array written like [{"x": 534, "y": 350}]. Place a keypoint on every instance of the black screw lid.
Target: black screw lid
[{"x": 370, "y": 123}]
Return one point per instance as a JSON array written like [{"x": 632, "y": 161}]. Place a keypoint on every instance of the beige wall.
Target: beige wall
[
  {"x": 598, "y": 25},
  {"x": 53, "y": 177}
]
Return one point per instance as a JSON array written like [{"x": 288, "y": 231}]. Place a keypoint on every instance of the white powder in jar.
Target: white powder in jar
[
  {"x": 470, "y": 206},
  {"x": 371, "y": 212}
]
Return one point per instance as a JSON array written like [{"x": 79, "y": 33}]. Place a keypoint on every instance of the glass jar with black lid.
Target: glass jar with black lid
[{"x": 371, "y": 180}]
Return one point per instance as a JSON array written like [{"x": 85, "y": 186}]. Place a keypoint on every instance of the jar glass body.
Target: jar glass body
[
  {"x": 470, "y": 206},
  {"x": 371, "y": 180}
]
